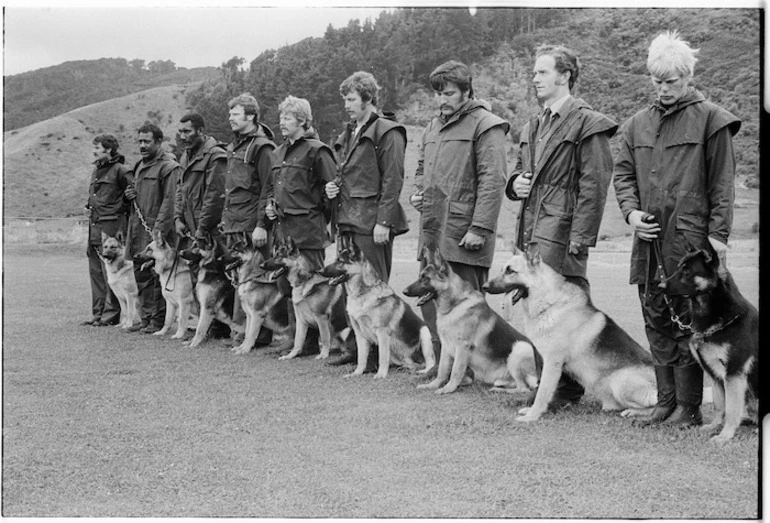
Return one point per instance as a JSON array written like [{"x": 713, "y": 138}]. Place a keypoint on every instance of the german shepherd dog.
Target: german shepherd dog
[
  {"x": 120, "y": 278},
  {"x": 574, "y": 336},
  {"x": 378, "y": 315},
  {"x": 316, "y": 302},
  {"x": 215, "y": 291},
  {"x": 176, "y": 284},
  {"x": 725, "y": 335},
  {"x": 471, "y": 333},
  {"x": 261, "y": 299}
]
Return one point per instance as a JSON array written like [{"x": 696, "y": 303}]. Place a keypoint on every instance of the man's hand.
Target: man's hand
[
  {"x": 416, "y": 200},
  {"x": 576, "y": 248},
  {"x": 332, "y": 190},
  {"x": 259, "y": 237},
  {"x": 472, "y": 241},
  {"x": 270, "y": 210},
  {"x": 88, "y": 210},
  {"x": 181, "y": 227},
  {"x": 522, "y": 185},
  {"x": 130, "y": 193},
  {"x": 646, "y": 231},
  {"x": 381, "y": 234}
]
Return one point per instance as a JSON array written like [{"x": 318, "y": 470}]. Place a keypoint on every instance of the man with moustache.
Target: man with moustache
[
  {"x": 460, "y": 176},
  {"x": 370, "y": 175},
  {"x": 200, "y": 188},
  {"x": 675, "y": 183},
  {"x": 152, "y": 207},
  {"x": 107, "y": 208},
  {"x": 562, "y": 172},
  {"x": 249, "y": 160}
]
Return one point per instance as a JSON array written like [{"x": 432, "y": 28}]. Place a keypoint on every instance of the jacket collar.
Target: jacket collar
[
  {"x": 692, "y": 96},
  {"x": 116, "y": 158}
]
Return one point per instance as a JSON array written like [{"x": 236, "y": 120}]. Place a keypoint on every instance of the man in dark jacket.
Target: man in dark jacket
[
  {"x": 152, "y": 207},
  {"x": 107, "y": 208},
  {"x": 674, "y": 180},
  {"x": 201, "y": 185},
  {"x": 302, "y": 165},
  {"x": 370, "y": 175},
  {"x": 460, "y": 176},
  {"x": 562, "y": 173},
  {"x": 249, "y": 160}
]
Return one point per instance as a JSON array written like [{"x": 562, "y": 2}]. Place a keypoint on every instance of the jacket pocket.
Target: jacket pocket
[
  {"x": 553, "y": 224},
  {"x": 691, "y": 223},
  {"x": 363, "y": 192},
  {"x": 459, "y": 219}
]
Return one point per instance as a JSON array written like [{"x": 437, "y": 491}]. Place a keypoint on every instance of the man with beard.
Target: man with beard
[
  {"x": 460, "y": 174},
  {"x": 107, "y": 209},
  {"x": 201, "y": 184},
  {"x": 249, "y": 160},
  {"x": 152, "y": 207},
  {"x": 563, "y": 169}
]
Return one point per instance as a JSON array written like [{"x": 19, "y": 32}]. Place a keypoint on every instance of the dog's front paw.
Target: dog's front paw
[
  {"x": 357, "y": 372},
  {"x": 447, "y": 389},
  {"x": 322, "y": 356},
  {"x": 529, "y": 416},
  {"x": 711, "y": 427},
  {"x": 241, "y": 349},
  {"x": 381, "y": 375},
  {"x": 288, "y": 356},
  {"x": 425, "y": 370},
  {"x": 721, "y": 439},
  {"x": 432, "y": 385}
]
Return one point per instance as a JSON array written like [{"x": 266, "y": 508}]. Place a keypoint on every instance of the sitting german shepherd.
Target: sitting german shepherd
[
  {"x": 574, "y": 336},
  {"x": 316, "y": 303},
  {"x": 215, "y": 291},
  {"x": 725, "y": 335},
  {"x": 176, "y": 284},
  {"x": 261, "y": 299},
  {"x": 120, "y": 278},
  {"x": 377, "y": 315},
  {"x": 471, "y": 333}
]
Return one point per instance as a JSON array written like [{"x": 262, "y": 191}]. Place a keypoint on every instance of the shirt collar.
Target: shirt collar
[{"x": 558, "y": 104}]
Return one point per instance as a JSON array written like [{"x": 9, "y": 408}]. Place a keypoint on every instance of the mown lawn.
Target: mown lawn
[{"x": 98, "y": 422}]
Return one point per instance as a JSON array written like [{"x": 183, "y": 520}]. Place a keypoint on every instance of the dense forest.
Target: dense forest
[
  {"x": 402, "y": 46},
  {"x": 44, "y": 93}
]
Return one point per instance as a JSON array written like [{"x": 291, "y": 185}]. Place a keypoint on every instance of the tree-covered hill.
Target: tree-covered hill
[
  {"x": 51, "y": 91},
  {"x": 402, "y": 46}
]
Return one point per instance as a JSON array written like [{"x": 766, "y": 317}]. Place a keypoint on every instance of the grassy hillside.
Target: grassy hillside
[
  {"x": 47, "y": 165},
  {"x": 38, "y": 95}
]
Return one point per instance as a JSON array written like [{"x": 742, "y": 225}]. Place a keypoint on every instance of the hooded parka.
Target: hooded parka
[
  {"x": 249, "y": 160},
  {"x": 677, "y": 163},
  {"x": 300, "y": 171},
  {"x": 155, "y": 183},
  {"x": 568, "y": 185},
  {"x": 461, "y": 169},
  {"x": 370, "y": 169},
  {"x": 200, "y": 189}
]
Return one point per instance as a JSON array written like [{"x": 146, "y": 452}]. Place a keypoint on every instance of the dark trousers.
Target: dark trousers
[
  {"x": 669, "y": 345},
  {"x": 104, "y": 303},
  {"x": 473, "y": 274},
  {"x": 152, "y": 305},
  {"x": 380, "y": 256}
]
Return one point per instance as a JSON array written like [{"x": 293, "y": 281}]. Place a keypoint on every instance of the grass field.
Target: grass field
[{"x": 98, "y": 422}]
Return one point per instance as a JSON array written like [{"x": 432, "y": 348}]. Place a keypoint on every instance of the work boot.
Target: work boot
[
  {"x": 689, "y": 396},
  {"x": 138, "y": 326},
  {"x": 664, "y": 376}
]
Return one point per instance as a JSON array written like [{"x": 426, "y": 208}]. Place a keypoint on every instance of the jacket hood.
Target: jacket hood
[
  {"x": 117, "y": 158},
  {"x": 692, "y": 96},
  {"x": 311, "y": 134}
]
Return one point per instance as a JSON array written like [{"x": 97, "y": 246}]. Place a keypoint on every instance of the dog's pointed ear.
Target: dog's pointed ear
[
  {"x": 119, "y": 237},
  {"x": 104, "y": 237},
  {"x": 355, "y": 252},
  {"x": 439, "y": 262},
  {"x": 291, "y": 245},
  {"x": 427, "y": 255},
  {"x": 533, "y": 254},
  {"x": 513, "y": 247}
]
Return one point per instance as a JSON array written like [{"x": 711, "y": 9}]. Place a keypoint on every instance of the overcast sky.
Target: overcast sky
[
  {"x": 190, "y": 37},
  {"x": 37, "y": 35}
]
